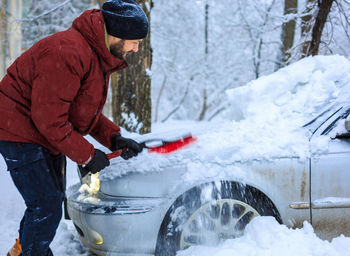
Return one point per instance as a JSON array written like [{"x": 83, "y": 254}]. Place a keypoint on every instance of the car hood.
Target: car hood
[{"x": 212, "y": 156}]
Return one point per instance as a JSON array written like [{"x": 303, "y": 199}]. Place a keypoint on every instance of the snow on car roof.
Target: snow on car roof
[
  {"x": 264, "y": 121},
  {"x": 301, "y": 90}
]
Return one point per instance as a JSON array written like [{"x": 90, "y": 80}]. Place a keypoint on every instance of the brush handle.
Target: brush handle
[
  {"x": 114, "y": 154},
  {"x": 165, "y": 147},
  {"x": 119, "y": 152},
  {"x": 83, "y": 171}
]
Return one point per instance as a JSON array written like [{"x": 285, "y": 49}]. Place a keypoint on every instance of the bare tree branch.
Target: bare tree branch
[
  {"x": 178, "y": 105},
  {"x": 31, "y": 19},
  {"x": 159, "y": 96}
]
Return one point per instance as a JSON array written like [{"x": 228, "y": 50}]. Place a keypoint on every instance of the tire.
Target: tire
[{"x": 211, "y": 213}]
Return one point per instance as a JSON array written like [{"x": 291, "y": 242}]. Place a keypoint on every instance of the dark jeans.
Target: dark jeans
[{"x": 40, "y": 178}]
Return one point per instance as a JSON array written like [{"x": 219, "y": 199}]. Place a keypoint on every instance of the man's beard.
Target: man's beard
[{"x": 116, "y": 50}]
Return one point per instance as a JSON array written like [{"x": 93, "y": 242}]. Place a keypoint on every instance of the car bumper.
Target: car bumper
[{"x": 117, "y": 225}]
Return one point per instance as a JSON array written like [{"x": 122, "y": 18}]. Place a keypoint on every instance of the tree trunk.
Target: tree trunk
[
  {"x": 3, "y": 39},
  {"x": 206, "y": 51},
  {"x": 306, "y": 26},
  {"x": 10, "y": 32},
  {"x": 311, "y": 47},
  {"x": 101, "y": 2},
  {"x": 206, "y": 30},
  {"x": 321, "y": 18},
  {"x": 288, "y": 29},
  {"x": 131, "y": 88}
]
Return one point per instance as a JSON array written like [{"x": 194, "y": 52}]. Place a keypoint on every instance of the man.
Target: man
[{"x": 53, "y": 95}]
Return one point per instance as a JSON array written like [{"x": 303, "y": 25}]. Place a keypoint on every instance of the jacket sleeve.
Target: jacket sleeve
[
  {"x": 103, "y": 131},
  {"x": 56, "y": 84}
]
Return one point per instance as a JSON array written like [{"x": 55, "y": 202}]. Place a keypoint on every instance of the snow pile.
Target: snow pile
[
  {"x": 265, "y": 237},
  {"x": 66, "y": 241},
  {"x": 272, "y": 109},
  {"x": 264, "y": 121},
  {"x": 299, "y": 91}
]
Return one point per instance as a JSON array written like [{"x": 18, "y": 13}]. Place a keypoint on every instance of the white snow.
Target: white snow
[
  {"x": 265, "y": 114},
  {"x": 265, "y": 237},
  {"x": 66, "y": 241}
]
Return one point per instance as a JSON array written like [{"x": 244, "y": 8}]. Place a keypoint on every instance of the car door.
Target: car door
[{"x": 330, "y": 180}]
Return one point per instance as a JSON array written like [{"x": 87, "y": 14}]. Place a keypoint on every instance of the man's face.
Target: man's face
[{"x": 120, "y": 48}]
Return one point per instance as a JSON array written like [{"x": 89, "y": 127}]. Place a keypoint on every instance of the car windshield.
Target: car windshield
[
  {"x": 335, "y": 113},
  {"x": 322, "y": 118},
  {"x": 337, "y": 126}
]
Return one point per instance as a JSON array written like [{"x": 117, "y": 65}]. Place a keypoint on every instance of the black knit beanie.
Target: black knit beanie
[{"x": 125, "y": 19}]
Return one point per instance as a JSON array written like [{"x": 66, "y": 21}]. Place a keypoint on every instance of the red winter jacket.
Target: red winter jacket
[{"x": 53, "y": 94}]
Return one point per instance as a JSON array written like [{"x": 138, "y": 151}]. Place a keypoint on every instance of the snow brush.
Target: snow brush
[{"x": 158, "y": 146}]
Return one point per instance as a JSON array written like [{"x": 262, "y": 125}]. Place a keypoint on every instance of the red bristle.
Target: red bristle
[{"x": 173, "y": 146}]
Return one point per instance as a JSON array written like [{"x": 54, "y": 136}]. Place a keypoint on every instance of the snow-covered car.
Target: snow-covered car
[{"x": 281, "y": 149}]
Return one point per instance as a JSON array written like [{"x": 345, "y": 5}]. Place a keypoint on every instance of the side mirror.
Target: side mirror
[
  {"x": 347, "y": 125},
  {"x": 345, "y": 135}
]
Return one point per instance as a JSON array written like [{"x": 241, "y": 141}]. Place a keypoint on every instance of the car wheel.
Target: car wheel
[{"x": 211, "y": 213}]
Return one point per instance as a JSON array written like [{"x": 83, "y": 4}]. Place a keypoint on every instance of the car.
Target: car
[{"x": 285, "y": 153}]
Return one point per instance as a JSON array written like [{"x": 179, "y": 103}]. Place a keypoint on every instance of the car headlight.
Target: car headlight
[{"x": 93, "y": 184}]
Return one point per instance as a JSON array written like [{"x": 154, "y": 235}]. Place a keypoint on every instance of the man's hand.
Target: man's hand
[
  {"x": 98, "y": 162},
  {"x": 130, "y": 147}
]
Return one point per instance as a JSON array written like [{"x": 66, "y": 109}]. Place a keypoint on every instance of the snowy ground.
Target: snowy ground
[
  {"x": 329, "y": 77},
  {"x": 263, "y": 237},
  {"x": 12, "y": 208}
]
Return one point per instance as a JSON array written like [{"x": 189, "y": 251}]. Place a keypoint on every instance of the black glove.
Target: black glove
[
  {"x": 130, "y": 147},
  {"x": 98, "y": 162}
]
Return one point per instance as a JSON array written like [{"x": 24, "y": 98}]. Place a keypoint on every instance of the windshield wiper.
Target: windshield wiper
[
  {"x": 325, "y": 121},
  {"x": 313, "y": 120},
  {"x": 331, "y": 125}
]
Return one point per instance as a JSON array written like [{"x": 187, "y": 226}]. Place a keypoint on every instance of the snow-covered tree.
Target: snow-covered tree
[
  {"x": 196, "y": 61},
  {"x": 191, "y": 71},
  {"x": 322, "y": 28},
  {"x": 45, "y": 17}
]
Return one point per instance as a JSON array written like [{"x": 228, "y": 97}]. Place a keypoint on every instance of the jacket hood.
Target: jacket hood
[{"x": 90, "y": 24}]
